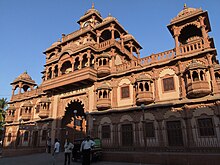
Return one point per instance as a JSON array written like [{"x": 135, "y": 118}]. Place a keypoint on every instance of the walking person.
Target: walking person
[
  {"x": 68, "y": 147},
  {"x": 85, "y": 148},
  {"x": 56, "y": 150}
]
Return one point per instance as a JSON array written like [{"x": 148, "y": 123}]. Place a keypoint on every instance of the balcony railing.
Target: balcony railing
[
  {"x": 82, "y": 75},
  {"x": 43, "y": 113},
  {"x": 103, "y": 70},
  {"x": 103, "y": 104},
  {"x": 198, "y": 89},
  {"x": 26, "y": 116},
  {"x": 9, "y": 119},
  {"x": 191, "y": 48},
  {"x": 145, "y": 97},
  {"x": 27, "y": 94}
]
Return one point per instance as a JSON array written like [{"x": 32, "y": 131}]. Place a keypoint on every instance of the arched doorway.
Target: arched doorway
[{"x": 73, "y": 124}]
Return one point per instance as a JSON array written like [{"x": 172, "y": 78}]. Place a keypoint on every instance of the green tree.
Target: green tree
[{"x": 3, "y": 106}]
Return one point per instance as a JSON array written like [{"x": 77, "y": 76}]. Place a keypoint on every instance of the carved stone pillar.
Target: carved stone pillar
[
  {"x": 114, "y": 94},
  {"x": 88, "y": 57},
  {"x": 212, "y": 74},
  {"x": 175, "y": 36},
  {"x": 113, "y": 60},
  {"x": 204, "y": 33}
]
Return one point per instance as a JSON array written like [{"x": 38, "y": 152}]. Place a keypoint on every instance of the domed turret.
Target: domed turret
[
  {"x": 187, "y": 11},
  {"x": 24, "y": 77},
  {"x": 23, "y": 81}
]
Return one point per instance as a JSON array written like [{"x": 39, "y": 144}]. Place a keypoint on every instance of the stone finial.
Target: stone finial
[
  {"x": 184, "y": 7},
  {"x": 93, "y": 6}
]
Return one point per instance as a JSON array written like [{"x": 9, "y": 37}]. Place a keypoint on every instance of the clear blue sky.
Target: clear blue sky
[{"x": 29, "y": 27}]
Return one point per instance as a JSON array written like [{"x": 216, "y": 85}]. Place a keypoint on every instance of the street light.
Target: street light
[
  {"x": 74, "y": 124},
  {"x": 87, "y": 123}
]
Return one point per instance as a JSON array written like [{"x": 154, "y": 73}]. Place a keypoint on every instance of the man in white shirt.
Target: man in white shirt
[
  {"x": 85, "y": 148},
  {"x": 56, "y": 150},
  {"x": 68, "y": 150}
]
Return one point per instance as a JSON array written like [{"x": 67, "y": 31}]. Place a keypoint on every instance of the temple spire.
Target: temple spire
[{"x": 93, "y": 6}]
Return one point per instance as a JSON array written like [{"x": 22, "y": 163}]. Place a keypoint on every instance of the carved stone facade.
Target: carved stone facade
[{"x": 94, "y": 82}]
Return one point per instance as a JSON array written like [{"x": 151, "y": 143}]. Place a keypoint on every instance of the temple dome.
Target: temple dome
[
  {"x": 104, "y": 86},
  {"x": 92, "y": 10},
  {"x": 187, "y": 11},
  {"x": 24, "y": 77},
  {"x": 109, "y": 18},
  {"x": 195, "y": 65},
  {"x": 143, "y": 77}
]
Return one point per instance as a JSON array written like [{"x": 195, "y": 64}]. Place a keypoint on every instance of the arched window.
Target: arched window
[
  {"x": 195, "y": 76},
  {"x": 66, "y": 67},
  {"x": 141, "y": 87},
  {"x": 84, "y": 61},
  {"x": 76, "y": 64},
  {"x": 105, "y": 94},
  {"x": 104, "y": 62},
  {"x": 100, "y": 94},
  {"x": 92, "y": 61},
  {"x": 56, "y": 71},
  {"x": 100, "y": 62},
  {"x": 147, "y": 87},
  {"x": 49, "y": 74},
  {"x": 202, "y": 75}
]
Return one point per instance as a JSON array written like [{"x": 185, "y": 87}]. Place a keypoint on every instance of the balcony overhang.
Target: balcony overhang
[{"x": 77, "y": 78}]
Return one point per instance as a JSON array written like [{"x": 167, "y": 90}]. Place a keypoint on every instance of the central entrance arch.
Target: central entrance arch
[{"x": 73, "y": 124}]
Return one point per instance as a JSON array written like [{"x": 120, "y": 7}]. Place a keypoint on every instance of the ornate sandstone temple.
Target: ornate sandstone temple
[{"x": 95, "y": 82}]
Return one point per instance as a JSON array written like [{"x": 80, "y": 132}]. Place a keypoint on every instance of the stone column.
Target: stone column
[
  {"x": 113, "y": 68},
  {"x": 212, "y": 73},
  {"x": 156, "y": 89},
  {"x": 88, "y": 57},
  {"x": 114, "y": 94},
  {"x": 98, "y": 36},
  {"x": 175, "y": 36},
  {"x": 204, "y": 33}
]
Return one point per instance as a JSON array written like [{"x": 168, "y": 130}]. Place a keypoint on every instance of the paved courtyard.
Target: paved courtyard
[{"x": 47, "y": 159}]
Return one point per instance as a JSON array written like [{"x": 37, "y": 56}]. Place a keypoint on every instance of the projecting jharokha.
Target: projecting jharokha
[{"x": 95, "y": 82}]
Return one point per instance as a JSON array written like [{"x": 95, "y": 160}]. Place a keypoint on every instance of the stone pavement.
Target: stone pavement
[{"x": 47, "y": 159}]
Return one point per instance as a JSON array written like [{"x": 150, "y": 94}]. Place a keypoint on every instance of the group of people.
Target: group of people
[{"x": 85, "y": 149}]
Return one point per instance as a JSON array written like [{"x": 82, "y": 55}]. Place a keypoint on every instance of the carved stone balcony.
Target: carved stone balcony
[
  {"x": 144, "y": 97},
  {"x": 43, "y": 113},
  {"x": 103, "y": 70},
  {"x": 103, "y": 104},
  {"x": 77, "y": 78},
  {"x": 198, "y": 89},
  {"x": 9, "y": 119},
  {"x": 26, "y": 116}
]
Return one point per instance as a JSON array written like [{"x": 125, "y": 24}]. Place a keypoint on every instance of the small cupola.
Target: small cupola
[
  {"x": 23, "y": 82},
  {"x": 92, "y": 17}
]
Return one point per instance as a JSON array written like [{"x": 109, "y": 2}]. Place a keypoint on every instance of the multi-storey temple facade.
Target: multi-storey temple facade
[{"x": 95, "y": 82}]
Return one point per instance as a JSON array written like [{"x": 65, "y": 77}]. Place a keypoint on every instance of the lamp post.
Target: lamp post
[
  {"x": 74, "y": 124},
  {"x": 81, "y": 123},
  {"x": 87, "y": 123}
]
